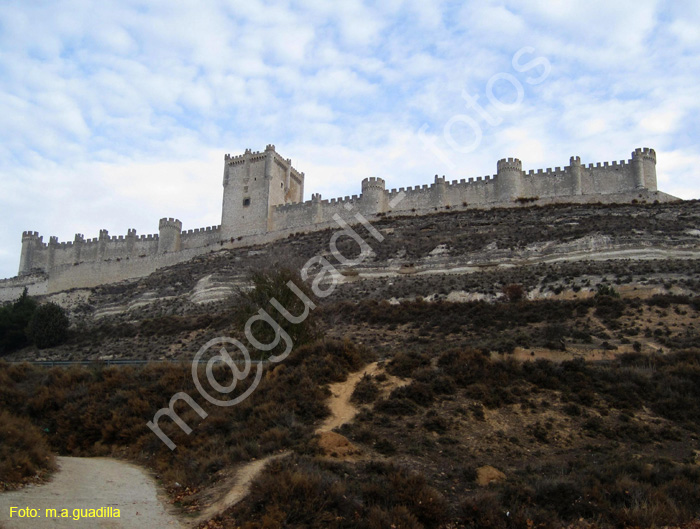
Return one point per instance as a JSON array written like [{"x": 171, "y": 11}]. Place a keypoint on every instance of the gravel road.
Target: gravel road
[{"x": 91, "y": 483}]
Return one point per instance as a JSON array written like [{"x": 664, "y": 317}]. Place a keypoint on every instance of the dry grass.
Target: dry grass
[
  {"x": 24, "y": 452},
  {"x": 103, "y": 411}
]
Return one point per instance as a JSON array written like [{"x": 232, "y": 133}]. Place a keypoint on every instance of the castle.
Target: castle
[{"x": 263, "y": 201}]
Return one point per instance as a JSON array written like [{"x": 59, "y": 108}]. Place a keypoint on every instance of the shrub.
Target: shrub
[
  {"x": 606, "y": 290},
  {"x": 48, "y": 326},
  {"x": 403, "y": 364},
  {"x": 273, "y": 284},
  {"x": 385, "y": 447},
  {"x": 396, "y": 406},
  {"x": 513, "y": 293},
  {"x": 366, "y": 391},
  {"x": 13, "y": 323},
  {"x": 299, "y": 492},
  {"x": 609, "y": 307},
  {"x": 24, "y": 453}
]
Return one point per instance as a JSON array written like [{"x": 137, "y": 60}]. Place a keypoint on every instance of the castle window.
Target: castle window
[
  {"x": 245, "y": 189},
  {"x": 246, "y": 202}
]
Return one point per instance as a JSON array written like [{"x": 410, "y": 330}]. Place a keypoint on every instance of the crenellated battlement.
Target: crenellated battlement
[
  {"x": 169, "y": 223},
  {"x": 260, "y": 157},
  {"x": 509, "y": 164},
  {"x": 645, "y": 153},
  {"x": 373, "y": 179},
  {"x": 208, "y": 229},
  {"x": 373, "y": 183},
  {"x": 614, "y": 164},
  {"x": 30, "y": 235},
  {"x": 247, "y": 156}
]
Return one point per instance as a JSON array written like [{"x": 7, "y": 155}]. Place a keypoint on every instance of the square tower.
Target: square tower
[{"x": 254, "y": 183}]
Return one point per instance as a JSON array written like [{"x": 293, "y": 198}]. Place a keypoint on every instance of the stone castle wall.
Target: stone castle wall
[
  {"x": 509, "y": 184},
  {"x": 263, "y": 201}
]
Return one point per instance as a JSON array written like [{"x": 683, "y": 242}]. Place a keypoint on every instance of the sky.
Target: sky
[{"x": 114, "y": 114}]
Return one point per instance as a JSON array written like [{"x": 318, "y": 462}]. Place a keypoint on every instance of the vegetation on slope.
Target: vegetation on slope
[
  {"x": 24, "y": 453},
  {"x": 25, "y": 322},
  {"x": 576, "y": 445},
  {"x": 92, "y": 411}
]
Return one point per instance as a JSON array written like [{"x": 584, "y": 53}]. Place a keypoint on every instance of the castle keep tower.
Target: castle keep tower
[
  {"x": 169, "y": 235},
  {"x": 510, "y": 179},
  {"x": 253, "y": 183},
  {"x": 373, "y": 196}
]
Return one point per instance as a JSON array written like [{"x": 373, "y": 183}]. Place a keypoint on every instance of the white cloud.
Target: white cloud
[{"x": 120, "y": 114}]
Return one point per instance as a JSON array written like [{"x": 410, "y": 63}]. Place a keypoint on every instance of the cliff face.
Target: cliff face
[{"x": 422, "y": 250}]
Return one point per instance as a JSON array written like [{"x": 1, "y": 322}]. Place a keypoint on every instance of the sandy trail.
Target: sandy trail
[
  {"x": 90, "y": 483},
  {"x": 342, "y": 410},
  {"x": 243, "y": 478}
]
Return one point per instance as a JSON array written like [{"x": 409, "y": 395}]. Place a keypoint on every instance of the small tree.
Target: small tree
[
  {"x": 48, "y": 326},
  {"x": 269, "y": 284},
  {"x": 514, "y": 293},
  {"x": 13, "y": 323},
  {"x": 606, "y": 291}
]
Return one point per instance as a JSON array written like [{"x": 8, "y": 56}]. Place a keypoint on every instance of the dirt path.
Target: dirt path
[
  {"x": 241, "y": 485},
  {"x": 91, "y": 483},
  {"x": 339, "y": 403}
]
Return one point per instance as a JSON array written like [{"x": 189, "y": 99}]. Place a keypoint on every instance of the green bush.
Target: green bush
[
  {"x": 606, "y": 290},
  {"x": 269, "y": 285},
  {"x": 48, "y": 326},
  {"x": 14, "y": 319}
]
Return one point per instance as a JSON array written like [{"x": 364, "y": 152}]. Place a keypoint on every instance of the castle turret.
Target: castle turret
[
  {"x": 317, "y": 206},
  {"x": 53, "y": 244},
  {"x": 644, "y": 167},
  {"x": 575, "y": 168},
  {"x": 269, "y": 160},
  {"x": 169, "y": 231},
  {"x": 130, "y": 241},
  {"x": 510, "y": 179},
  {"x": 373, "y": 198},
  {"x": 439, "y": 192},
  {"x": 102, "y": 244},
  {"x": 31, "y": 242},
  {"x": 78, "y": 242}
]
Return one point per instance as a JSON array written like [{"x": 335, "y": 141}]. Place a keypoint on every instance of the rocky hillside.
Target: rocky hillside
[{"x": 556, "y": 252}]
